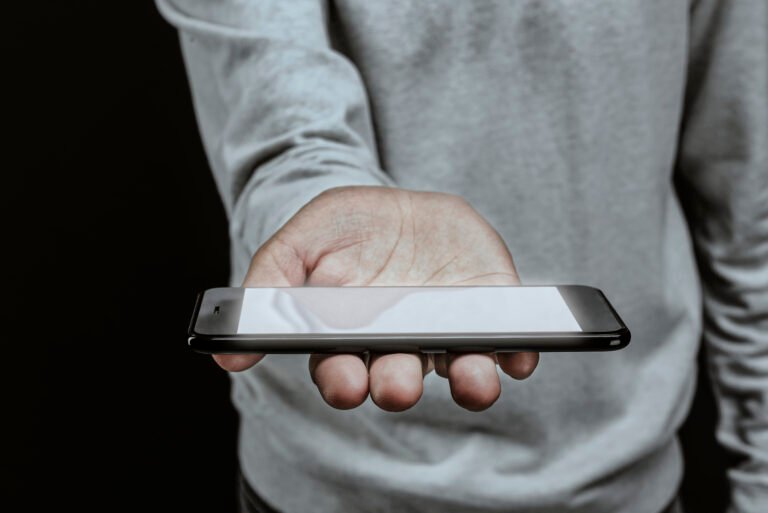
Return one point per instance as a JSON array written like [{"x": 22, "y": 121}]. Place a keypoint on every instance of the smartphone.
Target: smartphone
[{"x": 405, "y": 319}]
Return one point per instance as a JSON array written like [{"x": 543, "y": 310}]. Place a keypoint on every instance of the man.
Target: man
[{"x": 428, "y": 142}]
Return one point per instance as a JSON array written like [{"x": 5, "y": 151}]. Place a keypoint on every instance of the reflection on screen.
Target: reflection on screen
[{"x": 328, "y": 310}]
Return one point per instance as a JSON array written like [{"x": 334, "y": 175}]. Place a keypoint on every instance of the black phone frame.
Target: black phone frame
[{"x": 591, "y": 308}]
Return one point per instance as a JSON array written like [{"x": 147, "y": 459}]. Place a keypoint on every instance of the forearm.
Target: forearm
[
  {"x": 724, "y": 179},
  {"x": 283, "y": 115}
]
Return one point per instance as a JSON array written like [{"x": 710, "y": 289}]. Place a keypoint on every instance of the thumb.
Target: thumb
[{"x": 275, "y": 264}]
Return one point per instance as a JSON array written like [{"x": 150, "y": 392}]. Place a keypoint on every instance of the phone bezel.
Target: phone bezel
[{"x": 602, "y": 327}]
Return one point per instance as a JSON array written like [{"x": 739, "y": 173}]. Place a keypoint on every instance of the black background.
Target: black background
[{"x": 114, "y": 224}]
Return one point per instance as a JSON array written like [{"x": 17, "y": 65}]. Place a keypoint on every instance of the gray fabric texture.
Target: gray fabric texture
[{"x": 567, "y": 125}]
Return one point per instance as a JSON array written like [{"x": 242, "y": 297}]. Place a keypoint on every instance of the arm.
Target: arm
[
  {"x": 283, "y": 116},
  {"x": 723, "y": 176}
]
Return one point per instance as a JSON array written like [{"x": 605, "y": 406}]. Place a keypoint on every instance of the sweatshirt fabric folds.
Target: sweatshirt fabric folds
[{"x": 617, "y": 144}]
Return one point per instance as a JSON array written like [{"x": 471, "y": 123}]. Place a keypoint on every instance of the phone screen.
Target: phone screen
[{"x": 375, "y": 310}]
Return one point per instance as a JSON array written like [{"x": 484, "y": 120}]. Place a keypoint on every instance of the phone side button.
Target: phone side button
[{"x": 433, "y": 351}]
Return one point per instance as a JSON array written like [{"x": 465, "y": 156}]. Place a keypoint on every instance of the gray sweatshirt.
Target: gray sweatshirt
[{"x": 566, "y": 124}]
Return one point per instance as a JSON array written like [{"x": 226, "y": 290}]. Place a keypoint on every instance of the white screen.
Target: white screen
[{"x": 375, "y": 310}]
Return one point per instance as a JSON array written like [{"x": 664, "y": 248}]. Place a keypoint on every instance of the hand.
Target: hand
[{"x": 361, "y": 235}]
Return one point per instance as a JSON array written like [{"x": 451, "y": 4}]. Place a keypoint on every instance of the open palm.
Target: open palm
[{"x": 375, "y": 236}]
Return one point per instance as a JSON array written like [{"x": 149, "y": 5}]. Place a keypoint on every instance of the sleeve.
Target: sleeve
[
  {"x": 283, "y": 116},
  {"x": 723, "y": 179}
]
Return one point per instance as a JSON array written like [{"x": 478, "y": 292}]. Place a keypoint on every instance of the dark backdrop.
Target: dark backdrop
[{"x": 115, "y": 224}]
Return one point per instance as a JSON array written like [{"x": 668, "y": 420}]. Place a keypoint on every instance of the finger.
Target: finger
[
  {"x": 237, "y": 362},
  {"x": 341, "y": 378},
  {"x": 474, "y": 380},
  {"x": 396, "y": 381},
  {"x": 518, "y": 365},
  {"x": 441, "y": 365}
]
